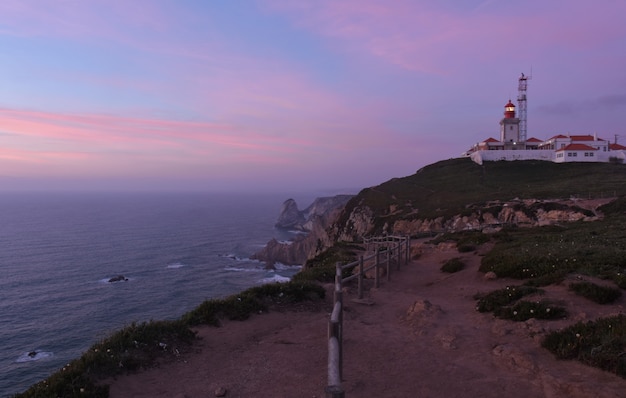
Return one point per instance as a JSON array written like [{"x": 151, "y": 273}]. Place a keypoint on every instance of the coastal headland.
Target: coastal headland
[{"x": 537, "y": 227}]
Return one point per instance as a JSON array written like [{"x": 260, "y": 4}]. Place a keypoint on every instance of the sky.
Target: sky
[{"x": 289, "y": 95}]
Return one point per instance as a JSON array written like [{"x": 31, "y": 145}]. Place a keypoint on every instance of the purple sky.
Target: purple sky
[{"x": 288, "y": 95}]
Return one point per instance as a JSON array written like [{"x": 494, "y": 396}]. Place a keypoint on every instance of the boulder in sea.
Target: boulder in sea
[
  {"x": 290, "y": 216},
  {"x": 118, "y": 278}
]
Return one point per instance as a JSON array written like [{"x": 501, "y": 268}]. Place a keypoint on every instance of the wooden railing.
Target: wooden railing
[{"x": 396, "y": 248}]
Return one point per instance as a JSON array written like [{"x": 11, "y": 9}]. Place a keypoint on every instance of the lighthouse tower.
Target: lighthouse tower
[{"x": 509, "y": 128}]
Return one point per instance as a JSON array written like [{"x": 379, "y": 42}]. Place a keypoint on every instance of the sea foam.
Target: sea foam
[{"x": 34, "y": 356}]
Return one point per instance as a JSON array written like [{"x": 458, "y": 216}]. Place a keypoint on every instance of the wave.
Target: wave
[
  {"x": 235, "y": 258},
  {"x": 276, "y": 278},
  {"x": 34, "y": 356},
  {"x": 240, "y": 269},
  {"x": 176, "y": 265},
  {"x": 285, "y": 267}
]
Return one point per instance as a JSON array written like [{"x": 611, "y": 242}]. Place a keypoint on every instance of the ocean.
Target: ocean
[{"x": 59, "y": 250}]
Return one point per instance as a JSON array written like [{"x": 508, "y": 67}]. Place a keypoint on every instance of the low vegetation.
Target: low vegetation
[
  {"x": 596, "y": 293},
  {"x": 252, "y": 301},
  {"x": 453, "y": 265},
  {"x": 589, "y": 248},
  {"x": 524, "y": 310},
  {"x": 493, "y": 301},
  {"x": 601, "y": 343},
  {"x": 547, "y": 255},
  {"x": 447, "y": 188},
  {"x": 129, "y": 349},
  {"x": 323, "y": 267}
]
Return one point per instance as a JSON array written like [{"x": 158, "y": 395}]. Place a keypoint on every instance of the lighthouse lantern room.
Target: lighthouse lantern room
[{"x": 509, "y": 127}]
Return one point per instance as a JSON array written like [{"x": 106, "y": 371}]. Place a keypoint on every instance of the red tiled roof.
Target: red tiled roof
[
  {"x": 577, "y": 147},
  {"x": 617, "y": 147},
  {"x": 533, "y": 139},
  {"x": 584, "y": 138},
  {"x": 557, "y": 136},
  {"x": 491, "y": 140}
]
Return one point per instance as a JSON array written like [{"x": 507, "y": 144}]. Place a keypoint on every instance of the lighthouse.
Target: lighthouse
[{"x": 509, "y": 128}]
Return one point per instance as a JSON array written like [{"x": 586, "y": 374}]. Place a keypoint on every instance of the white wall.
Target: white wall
[{"x": 535, "y": 154}]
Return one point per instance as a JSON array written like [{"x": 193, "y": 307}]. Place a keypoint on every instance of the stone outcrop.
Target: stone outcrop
[
  {"x": 291, "y": 218},
  {"x": 362, "y": 221},
  {"x": 318, "y": 217},
  {"x": 118, "y": 278},
  {"x": 325, "y": 223}
]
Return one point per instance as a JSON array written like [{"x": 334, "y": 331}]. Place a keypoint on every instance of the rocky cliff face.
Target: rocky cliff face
[
  {"x": 292, "y": 218},
  {"x": 363, "y": 222},
  {"x": 315, "y": 220},
  {"x": 324, "y": 229}
]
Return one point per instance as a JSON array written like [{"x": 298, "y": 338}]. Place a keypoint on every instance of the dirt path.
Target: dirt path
[{"x": 422, "y": 337}]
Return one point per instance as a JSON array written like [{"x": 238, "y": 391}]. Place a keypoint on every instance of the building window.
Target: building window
[
  {"x": 575, "y": 154},
  {"x": 569, "y": 154}
]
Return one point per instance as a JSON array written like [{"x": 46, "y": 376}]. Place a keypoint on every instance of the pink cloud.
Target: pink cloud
[
  {"x": 48, "y": 144},
  {"x": 109, "y": 20},
  {"x": 433, "y": 38}
]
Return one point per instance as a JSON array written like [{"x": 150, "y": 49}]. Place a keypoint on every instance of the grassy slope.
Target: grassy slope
[{"x": 445, "y": 188}]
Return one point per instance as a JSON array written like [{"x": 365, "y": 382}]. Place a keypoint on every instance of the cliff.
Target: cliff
[
  {"x": 457, "y": 194},
  {"x": 315, "y": 220},
  {"x": 452, "y": 195},
  {"x": 363, "y": 221},
  {"x": 291, "y": 218}
]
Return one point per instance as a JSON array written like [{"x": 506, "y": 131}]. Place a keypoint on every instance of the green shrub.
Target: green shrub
[
  {"x": 133, "y": 347},
  {"x": 552, "y": 278},
  {"x": 253, "y": 300},
  {"x": 599, "y": 343},
  {"x": 499, "y": 298},
  {"x": 596, "y": 293},
  {"x": 466, "y": 248},
  {"x": 322, "y": 268},
  {"x": 620, "y": 279},
  {"x": 524, "y": 310},
  {"x": 453, "y": 265}
]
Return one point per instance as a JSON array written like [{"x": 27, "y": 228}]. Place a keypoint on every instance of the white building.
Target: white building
[{"x": 559, "y": 149}]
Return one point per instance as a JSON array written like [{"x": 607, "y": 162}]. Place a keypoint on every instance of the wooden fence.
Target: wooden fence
[{"x": 395, "y": 248}]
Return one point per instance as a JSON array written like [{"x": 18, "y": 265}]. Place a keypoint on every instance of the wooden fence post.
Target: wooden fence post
[
  {"x": 388, "y": 264},
  {"x": 335, "y": 364},
  {"x": 408, "y": 248},
  {"x": 376, "y": 268},
  {"x": 339, "y": 298},
  {"x": 399, "y": 254},
  {"x": 361, "y": 277}
]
